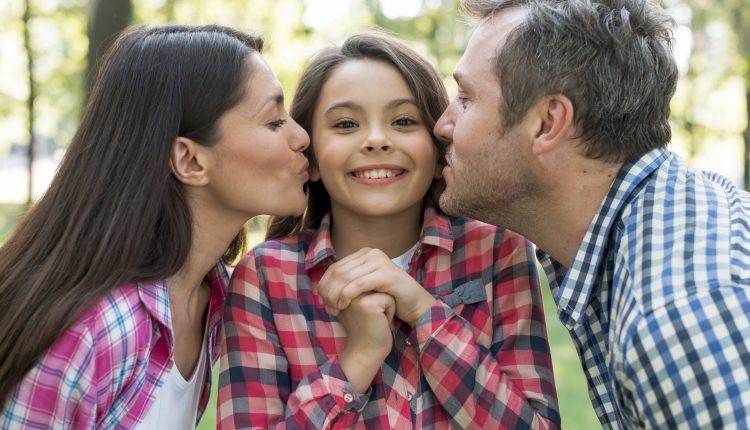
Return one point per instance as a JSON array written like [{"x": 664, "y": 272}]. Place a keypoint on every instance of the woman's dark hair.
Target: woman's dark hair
[
  {"x": 114, "y": 213},
  {"x": 421, "y": 77}
]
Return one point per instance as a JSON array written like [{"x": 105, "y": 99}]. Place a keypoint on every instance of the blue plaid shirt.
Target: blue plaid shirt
[{"x": 657, "y": 299}]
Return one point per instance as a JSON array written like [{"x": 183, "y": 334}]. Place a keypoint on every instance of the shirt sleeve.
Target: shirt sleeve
[
  {"x": 254, "y": 385},
  {"x": 509, "y": 385},
  {"x": 59, "y": 391},
  {"x": 685, "y": 364}
]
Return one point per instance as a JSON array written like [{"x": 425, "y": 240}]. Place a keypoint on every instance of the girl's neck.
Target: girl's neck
[{"x": 394, "y": 234}]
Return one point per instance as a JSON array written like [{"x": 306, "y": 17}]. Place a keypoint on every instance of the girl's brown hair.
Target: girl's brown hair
[
  {"x": 114, "y": 213},
  {"x": 421, "y": 77}
]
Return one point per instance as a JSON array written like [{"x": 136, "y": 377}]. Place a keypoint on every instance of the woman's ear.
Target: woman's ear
[
  {"x": 555, "y": 122},
  {"x": 189, "y": 162}
]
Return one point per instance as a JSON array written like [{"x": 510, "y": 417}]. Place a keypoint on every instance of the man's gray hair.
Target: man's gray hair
[
  {"x": 478, "y": 10},
  {"x": 611, "y": 58}
]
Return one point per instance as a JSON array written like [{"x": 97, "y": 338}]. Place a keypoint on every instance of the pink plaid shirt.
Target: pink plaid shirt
[
  {"x": 104, "y": 371},
  {"x": 479, "y": 358}
]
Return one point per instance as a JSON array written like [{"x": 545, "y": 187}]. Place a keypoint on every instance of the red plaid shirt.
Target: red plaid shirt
[{"x": 479, "y": 358}]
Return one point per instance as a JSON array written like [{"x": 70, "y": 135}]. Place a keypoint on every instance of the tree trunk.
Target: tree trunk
[
  {"x": 31, "y": 98},
  {"x": 107, "y": 18}
]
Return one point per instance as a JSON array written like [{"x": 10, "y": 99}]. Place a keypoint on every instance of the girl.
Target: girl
[
  {"x": 113, "y": 284},
  {"x": 374, "y": 310}
]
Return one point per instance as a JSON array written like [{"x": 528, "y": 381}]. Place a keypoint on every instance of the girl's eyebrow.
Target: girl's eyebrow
[
  {"x": 398, "y": 102},
  {"x": 344, "y": 105}
]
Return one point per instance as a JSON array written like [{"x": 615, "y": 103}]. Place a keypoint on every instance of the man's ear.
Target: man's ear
[
  {"x": 555, "y": 123},
  {"x": 189, "y": 162}
]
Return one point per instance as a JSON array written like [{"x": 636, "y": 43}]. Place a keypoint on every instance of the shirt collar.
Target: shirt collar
[
  {"x": 436, "y": 231},
  {"x": 583, "y": 276},
  {"x": 154, "y": 295}
]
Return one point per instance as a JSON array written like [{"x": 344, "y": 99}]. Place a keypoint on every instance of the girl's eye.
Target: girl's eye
[
  {"x": 404, "y": 122},
  {"x": 345, "y": 123},
  {"x": 275, "y": 125}
]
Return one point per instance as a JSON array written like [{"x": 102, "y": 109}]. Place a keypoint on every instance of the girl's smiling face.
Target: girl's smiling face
[{"x": 374, "y": 153}]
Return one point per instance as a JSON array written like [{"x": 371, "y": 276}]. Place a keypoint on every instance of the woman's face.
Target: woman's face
[{"x": 258, "y": 163}]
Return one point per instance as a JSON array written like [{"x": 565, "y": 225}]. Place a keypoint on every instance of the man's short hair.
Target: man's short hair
[{"x": 612, "y": 59}]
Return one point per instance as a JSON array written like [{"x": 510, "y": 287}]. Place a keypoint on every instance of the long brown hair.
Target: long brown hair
[
  {"x": 421, "y": 77},
  {"x": 114, "y": 213}
]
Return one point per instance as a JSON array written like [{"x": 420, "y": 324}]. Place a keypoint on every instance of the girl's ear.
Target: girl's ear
[{"x": 189, "y": 162}]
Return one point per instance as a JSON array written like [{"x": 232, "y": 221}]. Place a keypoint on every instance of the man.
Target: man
[{"x": 559, "y": 132}]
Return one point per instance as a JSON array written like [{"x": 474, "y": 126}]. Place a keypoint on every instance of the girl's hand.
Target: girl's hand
[
  {"x": 367, "y": 321},
  {"x": 370, "y": 270}
]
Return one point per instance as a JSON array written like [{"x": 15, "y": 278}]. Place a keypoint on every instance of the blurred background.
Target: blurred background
[{"x": 48, "y": 49}]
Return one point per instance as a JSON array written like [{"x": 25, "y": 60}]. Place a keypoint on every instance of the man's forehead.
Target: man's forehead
[{"x": 485, "y": 41}]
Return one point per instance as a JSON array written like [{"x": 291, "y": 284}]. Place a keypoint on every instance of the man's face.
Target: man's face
[{"x": 486, "y": 169}]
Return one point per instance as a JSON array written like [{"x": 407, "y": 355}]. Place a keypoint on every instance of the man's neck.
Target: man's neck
[{"x": 570, "y": 204}]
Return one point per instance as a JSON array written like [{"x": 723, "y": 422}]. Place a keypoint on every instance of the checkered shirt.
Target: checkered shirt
[
  {"x": 105, "y": 370},
  {"x": 477, "y": 359},
  {"x": 658, "y": 299}
]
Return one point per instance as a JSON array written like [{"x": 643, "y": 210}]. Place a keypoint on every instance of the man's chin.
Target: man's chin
[{"x": 448, "y": 204}]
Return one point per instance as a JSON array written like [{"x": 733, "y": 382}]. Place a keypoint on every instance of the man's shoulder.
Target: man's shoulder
[{"x": 679, "y": 234}]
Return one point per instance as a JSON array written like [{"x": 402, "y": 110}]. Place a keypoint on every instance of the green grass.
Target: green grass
[{"x": 575, "y": 406}]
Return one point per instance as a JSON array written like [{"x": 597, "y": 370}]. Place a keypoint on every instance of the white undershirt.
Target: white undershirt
[
  {"x": 176, "y": 402},
  {"x": 402, "y": 260}
]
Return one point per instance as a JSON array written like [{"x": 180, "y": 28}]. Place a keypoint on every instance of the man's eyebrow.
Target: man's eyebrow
[
  {"x": 460, "y": 78},
  {"x": 458, "y": 75}
]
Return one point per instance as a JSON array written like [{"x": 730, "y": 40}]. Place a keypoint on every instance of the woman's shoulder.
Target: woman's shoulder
[
  {"x": 119, "y": 320},
  {"x": 105, "y": 342}
]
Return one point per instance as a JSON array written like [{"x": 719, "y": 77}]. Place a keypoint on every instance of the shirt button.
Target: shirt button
[
  {"x": 348, "y": 398},
  {"x": 409, "y": 396}
]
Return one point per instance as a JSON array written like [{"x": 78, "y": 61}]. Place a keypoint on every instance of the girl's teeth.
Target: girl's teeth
[{"x": 376, "y": 174}]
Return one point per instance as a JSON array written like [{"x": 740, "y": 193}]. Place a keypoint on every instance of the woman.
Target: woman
[{"x": 112, "y": 285}]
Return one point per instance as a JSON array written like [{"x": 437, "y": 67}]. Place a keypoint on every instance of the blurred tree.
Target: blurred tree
[
  {"x": 707, "y": 71},
  {"x": 31, "y": 100},
  {"x": 107, "y": 18},
  {"x": 437, "y": 27},
  {"x": 740, "y": 16}
]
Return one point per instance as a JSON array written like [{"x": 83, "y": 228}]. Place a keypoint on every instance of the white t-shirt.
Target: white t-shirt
[
  {"x": 402, "y": 260},
  {"x": 176, "y": 403}
]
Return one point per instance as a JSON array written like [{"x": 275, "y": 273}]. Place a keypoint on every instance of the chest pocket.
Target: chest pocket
[
  {"x": 470, "y": 301},
  {"x": 467, "y": 294}
]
